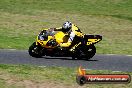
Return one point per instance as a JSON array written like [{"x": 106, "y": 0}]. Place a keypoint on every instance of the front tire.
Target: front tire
[{"x": 35, "y": 50}]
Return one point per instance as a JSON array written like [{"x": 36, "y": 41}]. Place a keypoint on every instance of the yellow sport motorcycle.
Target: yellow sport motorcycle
[{"x": 47, "y": 44}]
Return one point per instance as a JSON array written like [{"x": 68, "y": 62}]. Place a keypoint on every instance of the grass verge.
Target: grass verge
[
  {"x": 19, "y": 31},
  {"x": 31, "y": 76}
]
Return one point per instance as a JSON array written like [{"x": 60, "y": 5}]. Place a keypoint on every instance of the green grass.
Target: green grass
[
  {"x": 102, "y": 7},
  {"x": 13, "y": 75},
  {"x": 22, "y": 20}
]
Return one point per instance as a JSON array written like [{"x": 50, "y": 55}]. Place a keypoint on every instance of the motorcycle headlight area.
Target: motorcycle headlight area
[{"x": 41, "y": 37}]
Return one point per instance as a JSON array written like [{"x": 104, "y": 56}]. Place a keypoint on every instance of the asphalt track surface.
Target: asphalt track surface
[{"x": 98, "y": 62}]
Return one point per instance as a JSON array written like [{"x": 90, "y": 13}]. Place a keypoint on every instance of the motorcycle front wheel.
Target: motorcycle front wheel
[{"x": 35, "y": 50}]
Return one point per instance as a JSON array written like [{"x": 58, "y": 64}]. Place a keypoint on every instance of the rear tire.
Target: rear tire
[
  {"x": 86, "y": 52},
  {"x": 90, "y": 51},
  {"x": 35, "y": 50}
]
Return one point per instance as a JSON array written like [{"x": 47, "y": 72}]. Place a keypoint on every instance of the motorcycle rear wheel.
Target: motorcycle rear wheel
[
  {"x": 90, "y": 52},
  {"x": 86, "y": 52}
]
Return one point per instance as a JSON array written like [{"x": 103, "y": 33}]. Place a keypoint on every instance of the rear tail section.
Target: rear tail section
[{"x": 92, "y": 39}]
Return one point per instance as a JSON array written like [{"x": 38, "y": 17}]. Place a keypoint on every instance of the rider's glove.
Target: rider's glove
[{"x": 51, "y": 29}]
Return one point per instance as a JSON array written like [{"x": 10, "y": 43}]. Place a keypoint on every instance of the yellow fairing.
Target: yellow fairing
[
  {"x": 43, "y": 43},
  {"x": 93, "y": 41},
  {"x": 65, "y": 44},
  {"x": 59, "y": 37}
]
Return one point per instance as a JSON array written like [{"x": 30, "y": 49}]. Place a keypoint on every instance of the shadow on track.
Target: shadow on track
[{"x": 67, "y": 58}]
